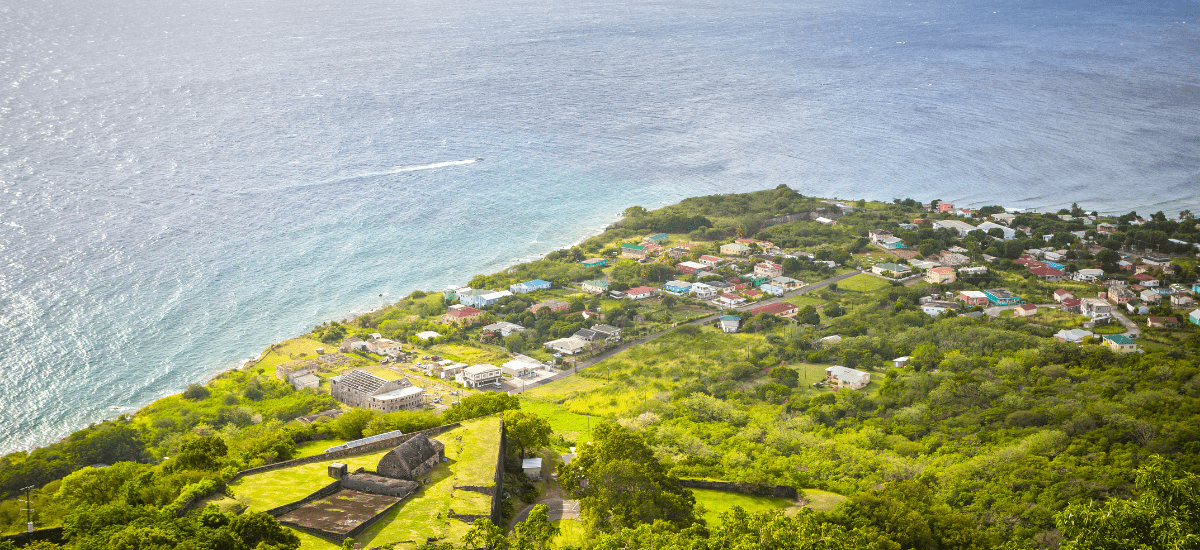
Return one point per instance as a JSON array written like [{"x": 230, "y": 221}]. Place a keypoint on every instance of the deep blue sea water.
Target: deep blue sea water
[{"x": 184, "y": 182}]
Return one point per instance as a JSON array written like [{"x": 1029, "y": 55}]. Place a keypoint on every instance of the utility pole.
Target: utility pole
[{"x": 28, "y": 509}]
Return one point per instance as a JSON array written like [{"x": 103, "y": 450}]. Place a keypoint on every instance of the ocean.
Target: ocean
[{"x": 185, "y": 182}]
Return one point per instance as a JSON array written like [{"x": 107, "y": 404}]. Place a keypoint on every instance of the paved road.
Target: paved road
[
  {"x": 709, "y": 319},
  {"x": 559, "y": 509},
  {"x": 1131, "y": 328}
]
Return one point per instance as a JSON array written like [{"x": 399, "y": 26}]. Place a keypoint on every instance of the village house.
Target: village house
[
  {"x": 844, "y": 377},
  {"x": 594, "y": 262},
  {"x": 973, "y": 297},
  {"x": 484, "y": 299},
  {"x": 503, "y": 328},
  {"x": 352, "y": 343},
  {"x": 959, "y": 227},
  {"x": 874, "y": 235},
  {"x": 677, "y": 287},
  {"x": 1161, "y": 321},
  {"x": 652, "y": 249},
  {"x": 1120, "y": 295},
  {"x": 1146, "y": 280},
  {"x": 1194, "y": 317},
  {"x": 729, "y": 323},
  {"x": 735, "y": 249},
  {"x": 461, "y": 315},
  {"x": 659, "y": 238},
  {"x": 890, "y": 270},
  {"x": 1120, "y": 343},
  {"x": 689, "y": 268},
  {"x": 359, "y": 388},
  {"x": 520, "y": 369},
  {"x": 551, "y": 304},
  {"x": 824, "y": 220},
  {"x": 1002, "y": 297},
  {"x": 730, "y": 300},
  {"x": 923, "y": 264},
  {"x": 952, "y": 259},
  {"x": 607, "y": 332},
  {"x": 973, "y": 271},
  {"x": 633, "y": 251},
  {"x": 639, "y": 293},
  {"x": 1095, "y": 307},
  {"x": 901, "y": 362},
  {"x": 476, "y": 376},
  {"x": 1071, "y": 305},
  {"x": 1062, "y": 294},
  {"x": 1074, "y": 336},
  {"x": 1025, "y": 310},
  {"x": 595, "y": 286},
  {"x": 1047, "y": 273},
  {"x": 786, "y": 283},
  {"x": 1089, "y": 275},
  {"x": 771, "y": 289},
  {"x": 703, "y": 291},
  {"x": 768, "y": 269},
  {"x": 1150, "y": 296},
  {"x": 1009, "y": 233},
  {"x": 780, "y": 309},
  {"x": 1106, "y": 227},
  {"x": 943, "y": 207},
  {"x": 570, "y": 345},
  {"x": 382, "y": 346},
  {"x": 710, "y": 261},
  {"x": 941, "y": 275},
  {"x": 936, "y": 307},
  {"x": 1181, "y": 300},
  {"x": 529, "y": 286}
]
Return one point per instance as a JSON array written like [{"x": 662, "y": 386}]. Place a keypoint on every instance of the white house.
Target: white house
[
  {"x": 703, "y": 291},
  {"x": 570, "y": 345},
  {"x": 482, "y": 374},
  {"x": 845, "y": 377},
  {"x": 1009, "y": 233},
  {"x": 962, "y": 228}
]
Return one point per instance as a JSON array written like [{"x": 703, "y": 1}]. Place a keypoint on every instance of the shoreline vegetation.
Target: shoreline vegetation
[{"x": 925, "y": 376}]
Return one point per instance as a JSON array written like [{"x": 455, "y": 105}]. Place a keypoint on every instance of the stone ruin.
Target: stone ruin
[
  {"x": 364, "y": 482},
  {"x": 412, "y": 458}
]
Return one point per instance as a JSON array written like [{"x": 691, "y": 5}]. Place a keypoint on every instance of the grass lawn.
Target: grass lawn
[
  {"x": 383, "y": 372},
  {"x": 1113, "y": 327},
  {"x": 471, "y": 452},
  {"x": 290, "y": 350},
  {"x": 863, "y": 283},
  {"x": 310, "y": 448},
  {"x": 716, "y": 502},
  {"x": 571, "y": 533},
  {"x": 469, "y": 354},
  {"x": 805, "y": 300},
  {"x": 821, "y": 501},
  {"x": 571, "y": 426}
]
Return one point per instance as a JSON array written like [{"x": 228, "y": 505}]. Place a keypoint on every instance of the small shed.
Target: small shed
[
  {"x": 338, "y": 470},
  {"x": 532, "y": 468}
]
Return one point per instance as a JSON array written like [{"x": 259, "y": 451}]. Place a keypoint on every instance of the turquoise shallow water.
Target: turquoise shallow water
[{"x": 183, "y": 183}]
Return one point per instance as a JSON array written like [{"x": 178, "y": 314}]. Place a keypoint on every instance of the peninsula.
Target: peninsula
[{"x": 759, "y": 370}]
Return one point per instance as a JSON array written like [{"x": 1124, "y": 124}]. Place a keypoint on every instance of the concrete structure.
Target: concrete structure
[
  {"x": 503, "y": 328},
  {"x": 570, "y": 345},
  {"x": 729, "y": 323},
  {"x": 1120, "y": 295},
  {"x": 781, "y": 309},
  {"x": 1002, "y": 297},
  {"x": 461, "y": 315},
  {"x": 1047, "y": 273},
  {"x": 1025, "y": 310},
  {"x": 768, "y": 269},
  {"x": 1071, "y": 305},
  {"x": 973, "y": 297},
  {"x": 941, "y": 275},
  {"x": 1095, "y": 307},
  {"x": 1182, "y": 300},
  {"x": 352, "y": 343},
  {"x": 1009, "y": 233},
  {"x": 551, "y": 304},
  {"x": 595, "y": 286},
  {"x": 529, "y": 286},
  {"x": 959, "y": 227},
  {"x": 1061, "y": 294},
  {"x": 359, "y": 388},
  {"x": 735, "y": 249},
  {"x": 1146, "y": 280},
  {"x": 771, "y": 289},
  {"x": 677, "y": 287},
  {"x": 382, "y": 346},
  {"x": 1194, "y": 317},
  {"x": 704, "y": 291},
  {"x": 728, "y": 300},
  {"x": 710, "y": 261},
  {"x": 479, "y": 375},
  {"x": 1120, "y": 343},
  {"x": 633, "y": 251},
  {"x": 532, "y": 468},
  {"x": 488, "y": 298},
  {"x": 608, "y": 332},
  {"x": 844, "y": 377},
  {"x": 1074, "y": 336},
  {"x": 1089, "y": 275},
  {"x": 889, "y": 269},
  {"x": 935, "y": 307},
  {"x": 787, "y": 283},
  {"x": 689, "y": 268},
  {"x": 594, "y": 262},
  {"x": 639, "y": 293},
  {"x": 1161, "y": 321},
  {"x": 519, "y": 369},
  {"x": 412, "y": 459}
]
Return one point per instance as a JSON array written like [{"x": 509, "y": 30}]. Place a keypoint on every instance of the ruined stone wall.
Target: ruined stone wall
[
  {"x": 758, "y": 489},
  {"x": 369, "y": 482}
]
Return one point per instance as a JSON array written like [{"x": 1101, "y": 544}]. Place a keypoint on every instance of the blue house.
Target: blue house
[
  {"x": 1002, "y": 297},
  {"x": 772, "y": 289},
  {"x": 1196, "y": 288},
  {"x": 529, "y": 286},
  {"x": 677, "y": 287},
  {"x": 1194, "y": 317}
]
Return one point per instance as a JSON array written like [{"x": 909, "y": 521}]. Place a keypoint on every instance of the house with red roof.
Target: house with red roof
[
  {"x": 770, "y": 269},
  {"x": 782, "y": 309},
  {"x": 941, "y": 275},
  {"x": 639, "y": 293},
  {"x": 710, "y": 261},
  {"x": 1061, "y": 294},
  {"x": 728, "y": 300},
  {"x": 461, "y": 315},
  {"x": 1047, "y": 273},
  {"x": 1071, "y": 305},
  {"x": 1025, "y": 310},
  {"x": 1162, "y": 321},
  {"x": 1146, "y": 280}
]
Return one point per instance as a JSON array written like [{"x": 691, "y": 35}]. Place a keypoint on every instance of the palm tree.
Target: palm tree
[{"x": 1185, "y": 215}]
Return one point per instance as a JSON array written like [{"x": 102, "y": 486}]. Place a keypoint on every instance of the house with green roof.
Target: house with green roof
[
  {"x": 594, "y": 262},
  {"x": 633, "y": 251},
  {"x": 1120, "y": 343},
  {"x": 659, "y": 238}
]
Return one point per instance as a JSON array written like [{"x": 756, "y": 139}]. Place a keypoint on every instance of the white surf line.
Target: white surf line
[{"x": 432, "y": 166}]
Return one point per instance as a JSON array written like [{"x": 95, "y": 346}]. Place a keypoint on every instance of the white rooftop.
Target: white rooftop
[
  {"x": 480, "y": 369},
  {"x": 400, "y": 393},
  {"x": 531, "y": 463}
]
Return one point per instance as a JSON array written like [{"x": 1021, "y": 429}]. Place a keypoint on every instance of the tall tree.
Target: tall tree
[
  {"x": 536, "y": 530},
  {"x": 527, "y": 430}
]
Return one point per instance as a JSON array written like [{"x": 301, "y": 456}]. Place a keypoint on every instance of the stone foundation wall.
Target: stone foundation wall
[
  {"x": 368, "y": 482},
  {"x": 319, "y": 494},
  {"x": 757, "y": 489}
]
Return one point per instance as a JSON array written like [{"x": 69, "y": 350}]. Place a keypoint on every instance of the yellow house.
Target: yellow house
[
  {"x": 735, "y": 249},
  {"x": 1120, "y": 343},
  {"x": 941, "y": 275}
]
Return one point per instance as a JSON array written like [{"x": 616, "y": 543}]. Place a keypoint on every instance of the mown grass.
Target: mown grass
[
  {"x": 289, "y": 350},
  {"x": 572, "y": 427},
  {"x": 471, "y": 450},
  {"x": 571, "y": 533},
  {"x": 863, "y": 283},
  {"x": 822, "y": 501},
  {"x": 717, "y": 502},
  {"x": 469, "y": 354}
]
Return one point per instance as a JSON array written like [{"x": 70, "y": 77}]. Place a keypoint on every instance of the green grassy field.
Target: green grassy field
[
  {"x": 822, "y": 501},
  {"x": 717, "y": 502},
  {"x": 863, "y": 283},
  {"x": 571, "y": 533},
  {"x": 290, "y": 350},
  {"x": 571, "y": 426},
  {"x": 471, "y": 452}
]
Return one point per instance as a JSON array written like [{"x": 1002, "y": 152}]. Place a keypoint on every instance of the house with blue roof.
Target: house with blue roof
[
  {"x": 594, "y": 262},
  {"x": 529, "y": 286},
  {"x": 729, "y": 323},
  {"x": 677, "y": 287},
  {"x": 659, "y": 238}
]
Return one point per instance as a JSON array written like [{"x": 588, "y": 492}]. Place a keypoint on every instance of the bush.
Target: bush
[{"x": 196, "y": 392}]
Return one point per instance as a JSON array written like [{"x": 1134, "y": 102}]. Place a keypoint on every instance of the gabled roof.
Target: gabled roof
[
  {"x": 639, "y": 290},
  {"x": 1119, "y": 339},
  {"x": 633, "y": 246},
  {"x": 776, "y": 308}
]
